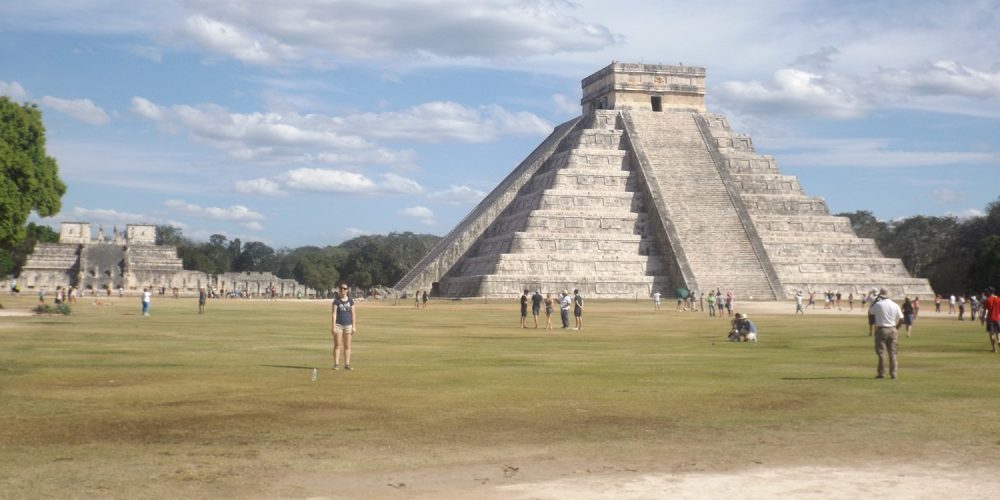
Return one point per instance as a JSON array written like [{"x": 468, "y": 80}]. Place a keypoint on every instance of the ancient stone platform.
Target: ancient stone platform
[
  {"x": 647, "y": 191},
  {"x": 131, "y": 260}
]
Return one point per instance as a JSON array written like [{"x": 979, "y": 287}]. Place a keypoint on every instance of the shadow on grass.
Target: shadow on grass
[
  {"x": 290, "y": 366},
  {"x": 824, "y": 378}
]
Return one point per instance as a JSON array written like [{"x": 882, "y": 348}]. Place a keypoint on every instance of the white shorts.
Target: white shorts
[{"x": 346, "y": 329}]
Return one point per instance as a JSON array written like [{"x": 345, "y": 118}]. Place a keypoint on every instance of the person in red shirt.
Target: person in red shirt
[{"x": 992, "y": 307}]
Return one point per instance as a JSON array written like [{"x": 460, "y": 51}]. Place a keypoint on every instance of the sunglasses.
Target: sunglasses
[{"x": 343, "y": 288}]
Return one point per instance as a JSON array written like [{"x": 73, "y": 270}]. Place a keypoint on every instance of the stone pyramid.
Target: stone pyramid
[{"x": 648, "y": 192}]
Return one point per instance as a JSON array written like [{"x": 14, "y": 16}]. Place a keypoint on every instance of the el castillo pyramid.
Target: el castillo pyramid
[{"x": 647, "y": 191}]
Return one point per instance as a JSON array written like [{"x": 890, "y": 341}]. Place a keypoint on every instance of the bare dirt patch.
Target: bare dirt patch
[{"x": 547, "y": 480}]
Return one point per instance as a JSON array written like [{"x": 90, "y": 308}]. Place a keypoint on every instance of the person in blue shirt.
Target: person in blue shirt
[
  {"x": 344, "y": 319},
  {"x": 744, "y": 329}
]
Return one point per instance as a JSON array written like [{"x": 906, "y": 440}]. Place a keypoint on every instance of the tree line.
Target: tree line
[
  {"x": 955, "y": 255},
  {"x": 365, "y": 262}
]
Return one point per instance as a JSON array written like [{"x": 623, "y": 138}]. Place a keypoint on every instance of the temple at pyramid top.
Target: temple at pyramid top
[
  {"x": 653, "y": 87},
  {"x": 647, "y": 191}
]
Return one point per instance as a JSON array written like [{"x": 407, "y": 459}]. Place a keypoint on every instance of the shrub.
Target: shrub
[{"x": 63, "y": 309}]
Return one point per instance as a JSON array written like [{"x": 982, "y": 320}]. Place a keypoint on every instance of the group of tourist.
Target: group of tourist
[
  {"x": 695, "y": 302},
  {"x": 420, "y": 299},
  {"x": 63, "y": 295},
  {"x": 885, "y": 317},
  {"x": 974, "y": 303},
  {"x": 565, "y": 303}
]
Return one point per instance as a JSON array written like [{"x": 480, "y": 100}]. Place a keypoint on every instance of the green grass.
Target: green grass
[{"x": 105, "y": 402}]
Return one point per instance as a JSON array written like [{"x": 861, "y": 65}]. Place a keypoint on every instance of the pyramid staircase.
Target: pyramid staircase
[
  {"x": 578, "y": 222},
  {"x": 619, "y": 203}
]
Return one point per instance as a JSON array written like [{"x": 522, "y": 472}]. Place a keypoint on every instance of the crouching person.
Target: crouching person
[{"x": 743, "y": 329}]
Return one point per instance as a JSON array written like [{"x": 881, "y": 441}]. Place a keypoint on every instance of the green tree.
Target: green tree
[
  {"x": 12, "y": 259},
  {"x": 921, "y": 241},
  {"x": 317, "y": 268},
  {"x": 256, "y": 256},
  {"x": 169, "y": 235},
  {"x": 985, "y": 270},
  {"x": 865, "y": 225},
  {"x": 29, "y": 178},
  {"x": 217, "y": 251}
]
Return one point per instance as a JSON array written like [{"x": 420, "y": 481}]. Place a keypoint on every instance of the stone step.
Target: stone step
[
  {"x": 748, "y": 162},
  {"x": 592, "y": 139},
  {"x": 592, "y": 287},
  {"x": 767, "y": 184},
  {"x": 713, "y": 237},
  {"x": 521, "y": 242},
  {"x": 789, "y": 269},
  {"x": 551, "y": 264},
  {"x": 790, "y": 204},
  {"x": 792, "y": 224},
  {"x": 589, "y": 179},
  {"x": 815, "y": 251}
]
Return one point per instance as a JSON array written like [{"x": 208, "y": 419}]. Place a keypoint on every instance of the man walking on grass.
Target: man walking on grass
[
  {"x": 888, "y": 316},
  {"x": 536, "y": 305},
  {"x": 991, "y": 312}
]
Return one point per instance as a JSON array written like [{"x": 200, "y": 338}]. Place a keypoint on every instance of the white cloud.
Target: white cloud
[
  {"x": 873, "y": 153},
  {"x": 404, "y": 158},
  {"x": 797, "y": 92},
  {"x": 13, "y": 90},
  {"x": 968, "y": 213},
  {"x": 441, "y": 121},
  {"x": 944, "y": 86},
  {"x": 457, "y": 195},
  {"x": 353, "y": 232},
  {"x": 154, "y": 54},
  {"x": 83, "y": 110},
  {"x": 227, "y": 39},
  {"x": 566, "y": 105},
  {"x": 340, "y": 181},
  {"x": 947, "y": 196},
  {"x": 393, "y": 183},
  {"x": 146, "y": 109},
  {"x": 253, "y": 226},
  {"x": 943, "y": 78},
  {"x": 102, "y": 215},
  {"x": 236, "y": 213},
  {"x": 363, "y": 30},
  {"x": 328, "y": 181},
  {"x": 260, "y": 187},
  {"x": 250, "y": 136},
  {"x": 346, "y": 140},
  {"x": 423, "y": 214}
]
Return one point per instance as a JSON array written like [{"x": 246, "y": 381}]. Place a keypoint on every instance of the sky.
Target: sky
[{"x": 310, "y": 122}]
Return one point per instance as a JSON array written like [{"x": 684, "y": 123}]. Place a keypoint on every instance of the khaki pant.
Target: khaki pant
[{"x": 886, "y": 338}]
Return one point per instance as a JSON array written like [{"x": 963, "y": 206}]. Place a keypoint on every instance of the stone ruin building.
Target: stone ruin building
[
  {"x": 647, "y": 191},
  {"x": 131, "y": 260},
  {"x": 258, "y": 283}
]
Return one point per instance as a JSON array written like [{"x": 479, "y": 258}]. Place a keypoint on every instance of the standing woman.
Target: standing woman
[
  {"x": 908, "y": 315},
  {"x": 548, "y": 311},
  {"x": 344, "y": 326}
]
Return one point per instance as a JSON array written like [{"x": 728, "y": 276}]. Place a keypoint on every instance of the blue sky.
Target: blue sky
[{"x": 308, "y": 122}]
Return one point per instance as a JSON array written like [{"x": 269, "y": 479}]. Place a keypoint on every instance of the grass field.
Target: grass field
[{"x": 457, "y": 399}]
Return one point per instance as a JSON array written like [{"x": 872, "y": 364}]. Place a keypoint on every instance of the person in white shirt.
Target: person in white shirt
[
  {"x": 656, "y": 300},
  {"x": 146, "y": 297},
  {"x": 565, "y": 302},
  {"x": 888, "y": 316}
]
